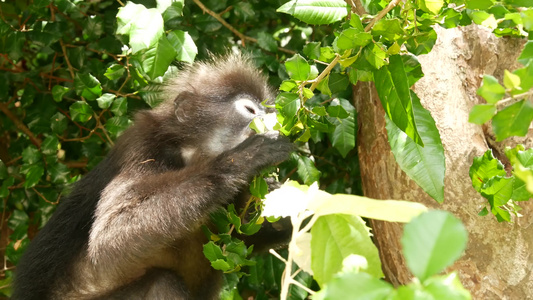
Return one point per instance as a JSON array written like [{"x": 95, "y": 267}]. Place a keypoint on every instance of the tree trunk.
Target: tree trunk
[{"x": 498, "y": 262}]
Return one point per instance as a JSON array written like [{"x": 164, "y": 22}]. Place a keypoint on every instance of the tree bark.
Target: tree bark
[{"x": 498, "y": 262}]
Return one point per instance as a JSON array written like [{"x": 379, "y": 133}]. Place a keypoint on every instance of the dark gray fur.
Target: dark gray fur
[{"x": 130, "y": 229}]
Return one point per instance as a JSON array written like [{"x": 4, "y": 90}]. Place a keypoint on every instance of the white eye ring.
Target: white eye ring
[{"x": 247, "y": 108}]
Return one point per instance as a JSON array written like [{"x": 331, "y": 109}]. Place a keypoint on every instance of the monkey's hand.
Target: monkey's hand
[{"x": 257, "y": 152}]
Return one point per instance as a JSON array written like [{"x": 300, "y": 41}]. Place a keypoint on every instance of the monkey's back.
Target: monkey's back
[{"x": 51, "y": 253}]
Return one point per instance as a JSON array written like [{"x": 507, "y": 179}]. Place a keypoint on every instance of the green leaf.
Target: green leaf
[
  {"x": 513, "y": 120},
  {"x": 184, "y": 45},
  {"x": 316, "y": 12},
  {"x": 307, "y": 170},
  {"x": 114, "y": 71},
  {"x": 58, "y": 92},
  {"x": 298, "y": 68},
  {"x": 412, "y": 68},
  {"x": 510, "y": 80},
  {"x": 385, "y": 210},
  {"x": 337, "y": 111},
  {"x": 483, "y": 168},
  {"x": 422, "y": 43},
  {"x": 116, "y": 125},
  {"x": 334, "y": 237},
  {"x": 481, "y": 113},
  {"x": 491, "y": 90},
  {"x": 338, "y": 83},
  {"x": 80, "y": 111},
  {"x": 498, "y": 190},
  {"x": 389, "y": 29},
  {"x": 175, "y": 10},
  {"x": 344, "y": 134},
  {"x": 527, "y": 53},
  {"x": 393, "y": 90},
  {"x": 105, "y": 101},
  {"x": 446, "y": 287},
  {"x": 3, "y": 170},
  {"x": 527, "y": 18},
  {"x": 127, "y": 16},
  {"x": 375, "y": 56},
  {"x": 312, "y": 50},
  {"x": 163, "y": 5},
  {"x": 479, "y": 4},
  {"x": 352, "y": 38},
  {"x": 267, "y": 42},
  {"x": 157, "y": 59},
  {"x": 87, "y": 86},
  {"x": 432, "y": 6},
  {"x": 93, "y": 28},
  {"x": 146, "y": 30},
  {"x": 484, "y": 18},
  {"x": 259, "y": 187},
  {"x": 59, "y": 173},
  {"x": 432, "y": 242},
  {"x": 31, "y": 155},
  {"x": 50, "y": 145},
  {"x": 58, "y": 123},
  {"x": 425, "y": 165},
  {"x": 33, "y": 175},
  {"x": 212, "y": 251},
  {"x": 451, "y": 18},
  {"x": 120, "y": 106},
  {"x": 244, "y": 11},
  {"x": 343, "y": 285},
  {"x": 4, "y": 190},
  {"x": 288, "y": 104}
]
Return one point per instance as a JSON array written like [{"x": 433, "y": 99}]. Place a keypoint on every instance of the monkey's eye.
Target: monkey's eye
[
  {"x": 250, "y": 109},
  {"x": 247, "y": 108}
]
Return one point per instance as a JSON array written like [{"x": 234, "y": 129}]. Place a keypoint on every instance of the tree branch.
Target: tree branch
[
  {"x": 381, "y": 14},
  {"x": 21, "y": 126}
]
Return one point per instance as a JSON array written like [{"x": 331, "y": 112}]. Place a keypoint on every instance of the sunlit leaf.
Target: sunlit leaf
[
  {"x": 316, "y": 12},
  {"x": 443, "y": 238}
]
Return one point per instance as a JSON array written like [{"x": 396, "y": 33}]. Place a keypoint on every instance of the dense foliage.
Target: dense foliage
[{"x": 73, "y": 73}]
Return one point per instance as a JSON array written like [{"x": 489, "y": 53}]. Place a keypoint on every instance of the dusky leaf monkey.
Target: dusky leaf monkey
[{"x": 131, "y": 228}]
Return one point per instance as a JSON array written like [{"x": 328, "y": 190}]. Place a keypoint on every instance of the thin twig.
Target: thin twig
[
  {"x": 273, "y": 252},
  {"x": 515, "y": 98},
  {"x": 241, "y": 36},
  {"x": 70, "y": 68},
  {"x": 310, "y": 291},
  {"x": 44, "y": 198},
  {"x": 21, "y": 126},
  {"x": 324, "y": 73}
]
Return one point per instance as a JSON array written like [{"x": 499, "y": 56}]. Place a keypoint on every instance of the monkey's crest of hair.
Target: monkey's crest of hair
[{"x": 219, "y": 75}]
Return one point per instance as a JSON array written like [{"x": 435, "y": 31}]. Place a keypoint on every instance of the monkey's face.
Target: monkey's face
[
  {"x": 232, "y": 126},
  {"x": 216, "y": 125}
]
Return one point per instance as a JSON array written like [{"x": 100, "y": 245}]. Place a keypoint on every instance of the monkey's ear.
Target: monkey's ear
[{"x": 181, "y": 105}]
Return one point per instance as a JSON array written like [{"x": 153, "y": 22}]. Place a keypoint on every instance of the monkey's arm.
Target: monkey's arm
[{"x": 137, "y": 216}]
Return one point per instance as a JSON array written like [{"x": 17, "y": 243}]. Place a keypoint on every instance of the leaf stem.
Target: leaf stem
[{"x": 515, "y": 98}]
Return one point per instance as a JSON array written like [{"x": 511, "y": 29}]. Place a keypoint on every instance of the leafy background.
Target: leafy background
[{"x": 74, "y": 72}]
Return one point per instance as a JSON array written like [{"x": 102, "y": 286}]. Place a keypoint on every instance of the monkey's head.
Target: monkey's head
[{"x": 213, "y": 104}]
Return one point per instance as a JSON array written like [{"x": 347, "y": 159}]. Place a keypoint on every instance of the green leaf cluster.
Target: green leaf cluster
[{"x": 502, "y": 192}]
